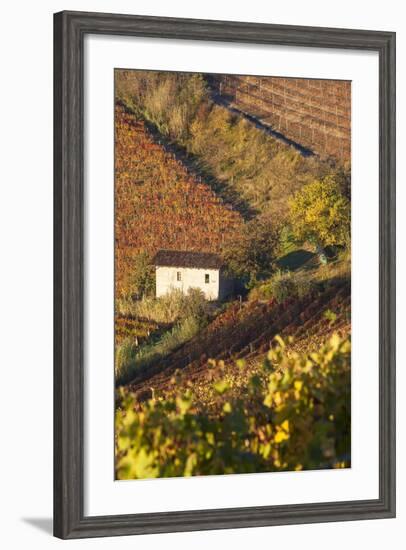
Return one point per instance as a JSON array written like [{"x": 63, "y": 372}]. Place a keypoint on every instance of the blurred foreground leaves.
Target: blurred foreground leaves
[{"x": 296, "y": 416}]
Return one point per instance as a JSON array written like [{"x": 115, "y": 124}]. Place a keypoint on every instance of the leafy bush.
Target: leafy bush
[
  {"x": 169, "y": 308},
  {"x": 295, "y": 416},
  {"x": 251, "y": 255},
  {"x": 142, "y": 278},
  {"x": 283, "y": 285},
  {"x": 320, "y": 214}
]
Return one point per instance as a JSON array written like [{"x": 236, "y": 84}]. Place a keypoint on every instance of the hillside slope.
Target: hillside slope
[
  {"x": 159, "y": 204},
  {"x": 245, "y": 331},
  {"x": 313, "y": 113},
  {"x": 245, "y": 165}
]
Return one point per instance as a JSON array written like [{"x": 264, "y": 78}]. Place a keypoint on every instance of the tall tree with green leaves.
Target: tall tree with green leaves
[
  {"x": 320, "y": 214},
  {"x": 143, "y": 276},
  {"x": 251, "y": 256}
]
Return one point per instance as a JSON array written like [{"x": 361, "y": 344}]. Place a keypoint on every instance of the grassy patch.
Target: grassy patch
[
  {"x": 304, "y": 276},
  {"x": 130, "y": 357},
  {"x": 283, "y": 285},
  {"x": 188, "y": 313}
]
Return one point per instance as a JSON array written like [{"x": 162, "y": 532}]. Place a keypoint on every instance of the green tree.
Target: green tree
[
  {"x": 251, "y": 256},
  {"x": 320, "y": 214},
  {"x": 143, "y": 276}
]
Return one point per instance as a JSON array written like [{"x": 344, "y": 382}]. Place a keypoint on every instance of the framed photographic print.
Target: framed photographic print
[{"x": 224, "y": 274}]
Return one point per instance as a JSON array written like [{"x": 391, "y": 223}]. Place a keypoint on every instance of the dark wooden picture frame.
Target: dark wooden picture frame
[{"x": 69, "y": 31}]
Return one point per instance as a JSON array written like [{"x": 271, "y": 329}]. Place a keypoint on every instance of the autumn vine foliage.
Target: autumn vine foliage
[
  {"x": 295, "y": 415},
  {"x": 159, "y": 204},
  {"x": 259, "y": 382},
  {"x": 245, "y": 331},
  {"x": 247, "y": 166}
]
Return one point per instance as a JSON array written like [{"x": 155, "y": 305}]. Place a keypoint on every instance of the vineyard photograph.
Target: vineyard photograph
[{"x": 232, "y": 251}]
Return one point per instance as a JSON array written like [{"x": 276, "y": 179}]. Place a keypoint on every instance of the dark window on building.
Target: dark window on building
[
  {"x": 207, "y": 278},
  {"x": 178, "y": 276}
]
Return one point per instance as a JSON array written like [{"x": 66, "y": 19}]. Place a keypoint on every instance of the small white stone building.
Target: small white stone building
[{"x": 177, "y": 269}]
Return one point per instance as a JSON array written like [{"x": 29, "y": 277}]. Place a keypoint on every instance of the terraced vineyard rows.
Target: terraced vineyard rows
[
  {"x": 314, "y": 113},
  {"x": 247, "y": 333},
  {"x": 158, "y": 203}
]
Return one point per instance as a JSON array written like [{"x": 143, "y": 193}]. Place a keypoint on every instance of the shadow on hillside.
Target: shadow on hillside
[
  {"x": 227, "y": 102},
  {"x": 296, "y": 259},
  {"x": 197, "y": 171},
  {"x": 201, "y": 173}
]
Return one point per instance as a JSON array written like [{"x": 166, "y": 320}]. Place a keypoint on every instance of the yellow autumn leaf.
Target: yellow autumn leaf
[
  {"x": 285, "y": 425},
  {"x": 227, "y": 407},
  {"x": 281, "y": 436}
]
